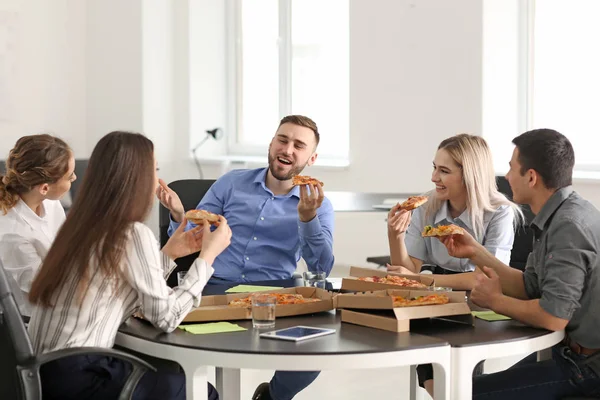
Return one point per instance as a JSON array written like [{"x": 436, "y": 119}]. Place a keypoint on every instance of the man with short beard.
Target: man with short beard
[{"x": 273, "y": 225}]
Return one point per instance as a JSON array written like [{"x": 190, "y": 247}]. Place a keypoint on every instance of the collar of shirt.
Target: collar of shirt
[
  {"x": 444, "y": 214},
  {"x": 261, "y": 178},
  {"x": 30, "y": 217},
  {"x": 551, "y": 206}
]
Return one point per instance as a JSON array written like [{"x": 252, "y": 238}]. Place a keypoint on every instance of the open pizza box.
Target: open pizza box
[
  {"x": 376, "y": 309},
  {"x": 216, "y": 308},
  {"x": 353, "y": 283}
]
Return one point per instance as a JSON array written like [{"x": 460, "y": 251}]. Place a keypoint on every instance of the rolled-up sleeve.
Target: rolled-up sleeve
[
  {"x": 500, "y": 234},
  {"x": 414, "y": 242},
  {"x": 569, "y": 255}
]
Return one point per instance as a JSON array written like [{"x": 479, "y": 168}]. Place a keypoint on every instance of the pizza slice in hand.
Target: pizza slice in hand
[
  {"x": 198, "y": 217},
  {"x": 413, "y": 202},
  {"x": 442, "y": 230},
  {"x": 299, "y": 180}
]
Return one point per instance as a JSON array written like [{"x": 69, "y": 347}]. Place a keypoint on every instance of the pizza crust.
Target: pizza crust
[{"x": 394, "y": 280}]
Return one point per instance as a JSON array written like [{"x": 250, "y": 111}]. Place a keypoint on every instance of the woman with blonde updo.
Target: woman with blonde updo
[{"x": 39, "y": 171}]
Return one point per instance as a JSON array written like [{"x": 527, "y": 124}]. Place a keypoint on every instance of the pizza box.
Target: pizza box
[
  {"x": 216, "y": 308},
  {"x": 352, "y": 283},
  {"x": 376, "y": 309}
]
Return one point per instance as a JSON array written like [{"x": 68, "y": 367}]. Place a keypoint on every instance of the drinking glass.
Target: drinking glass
[
  {"x": 263, "y": 310},
  {"x": 315, "y": 279}
]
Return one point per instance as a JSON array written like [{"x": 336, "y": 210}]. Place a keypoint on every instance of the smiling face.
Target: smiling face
[
  {"x": 292, "y": 149},
  {"x": 447, "y": 176}
]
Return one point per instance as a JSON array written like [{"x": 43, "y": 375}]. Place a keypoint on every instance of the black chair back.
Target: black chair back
[
  {"x": 190, "y": 192},
  {"x": 523, "y": 243}
]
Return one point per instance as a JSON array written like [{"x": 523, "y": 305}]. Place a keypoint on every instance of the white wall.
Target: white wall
[{"x": 42, "y": 71}]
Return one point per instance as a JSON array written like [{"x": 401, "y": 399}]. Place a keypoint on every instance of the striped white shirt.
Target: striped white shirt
[{"x": 95, "y": 320}]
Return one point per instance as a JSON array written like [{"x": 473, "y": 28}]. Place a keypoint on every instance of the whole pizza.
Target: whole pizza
[
  {"x": 281, "y": 299},
  {"x": 394, "y": 280},
  {"x": 432, "y": 299}
]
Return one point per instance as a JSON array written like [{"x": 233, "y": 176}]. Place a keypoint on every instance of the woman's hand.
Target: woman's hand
[
  {"x": 213, "y": 243},
  {"x": 183, "y": 243},
  {"x": 398, "y": 222}
]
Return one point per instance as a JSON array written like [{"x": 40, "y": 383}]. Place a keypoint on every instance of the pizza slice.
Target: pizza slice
[
  {"x": 433, "y": 299},
  {"x": 413, "y": 202},
  {"x": 299, "y": 180},
  {"x": 198, "y": 217},
  {"x": 442, "y": 230}
]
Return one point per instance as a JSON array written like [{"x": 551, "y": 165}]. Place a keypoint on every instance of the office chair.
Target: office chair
[
  {"x": 190, "y": 192},
  {"x": 21, "y": 367}
]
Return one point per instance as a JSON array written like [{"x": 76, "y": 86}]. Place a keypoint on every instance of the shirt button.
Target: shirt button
[
  {"x": 247, "y": 258},
  {"x": 262, "y": 218},
  {"x": 254, "y": 237},
  {"x": 272, "y": 198},
  {"x": 243, "y": 276}
]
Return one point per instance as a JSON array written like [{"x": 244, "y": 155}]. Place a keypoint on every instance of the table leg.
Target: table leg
[
  {"x": 463, "y": 365},
  {"x": 196, "y": 381},
  {"x": 229, "y": 383},
  {"x": 441, "y": 383},
  {"x": 413, "y": 383}
]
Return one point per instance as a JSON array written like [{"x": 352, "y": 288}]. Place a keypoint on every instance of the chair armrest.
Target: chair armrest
[{"x": 101, "y": 351}]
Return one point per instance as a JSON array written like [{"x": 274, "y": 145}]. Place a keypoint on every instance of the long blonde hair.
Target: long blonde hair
[{"x": 474, "y": 157}]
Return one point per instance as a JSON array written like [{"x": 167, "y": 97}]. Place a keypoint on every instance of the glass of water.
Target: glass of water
[
  {"x": 315, "y": 279},
  {"x": 180, "y": 277},
  {"x": 263, "y": 310}
]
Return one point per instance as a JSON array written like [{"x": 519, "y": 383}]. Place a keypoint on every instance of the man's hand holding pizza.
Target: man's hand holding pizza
[{"x": 310, "y": 202}]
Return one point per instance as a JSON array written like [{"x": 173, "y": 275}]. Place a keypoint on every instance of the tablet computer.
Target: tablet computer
[{"x": 297, "y": 333}]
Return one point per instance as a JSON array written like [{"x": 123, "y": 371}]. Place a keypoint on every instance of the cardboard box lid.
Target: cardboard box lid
[{"x": 382, "y": 300}]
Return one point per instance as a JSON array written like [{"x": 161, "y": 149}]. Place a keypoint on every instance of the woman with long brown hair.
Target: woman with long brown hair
[
  {"x": 39, "y": 171},
  {"x": 105, "y": 265}
]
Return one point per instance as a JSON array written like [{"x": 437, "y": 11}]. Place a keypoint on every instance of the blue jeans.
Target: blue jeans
[
  {"x": 567, "y": 374},
  {"x": 286, "y": 384}
]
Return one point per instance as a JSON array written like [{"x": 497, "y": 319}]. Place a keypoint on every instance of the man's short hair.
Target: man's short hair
[
  {"x": 549, "y": 153},
  {"x": 301, "y": 120}
]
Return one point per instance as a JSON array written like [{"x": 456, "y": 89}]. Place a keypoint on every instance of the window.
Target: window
[
  {"x": 288, "y": 57},
  {"x": 541, "y": 71}
]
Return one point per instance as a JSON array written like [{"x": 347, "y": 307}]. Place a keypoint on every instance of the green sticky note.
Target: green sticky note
[
  {"x": 489, "y": 315},
  {"x": 213, "y": 327},
  {"x": 250, "y": 288}
]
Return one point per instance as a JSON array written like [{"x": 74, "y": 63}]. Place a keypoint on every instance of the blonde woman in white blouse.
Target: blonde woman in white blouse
[
  {"x": 105, "y": 265},
  {"x": 39, "y": 171}
]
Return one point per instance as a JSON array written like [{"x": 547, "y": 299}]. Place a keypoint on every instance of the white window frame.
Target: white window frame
[
  {"x": 527, "y": 78},
  {"x": 234, "y": 73},
  {"x": 236, "y": 150}
]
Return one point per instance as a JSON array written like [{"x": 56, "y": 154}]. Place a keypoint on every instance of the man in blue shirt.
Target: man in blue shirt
[{"x": 273, "y": 225}]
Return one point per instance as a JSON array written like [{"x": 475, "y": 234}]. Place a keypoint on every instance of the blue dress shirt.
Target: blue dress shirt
[{"x": 268, "y": 238}]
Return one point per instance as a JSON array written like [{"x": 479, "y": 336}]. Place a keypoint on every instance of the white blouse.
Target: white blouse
[
  {"x": 95, "y": 319},
  {"x": 25, "y": 239}
]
